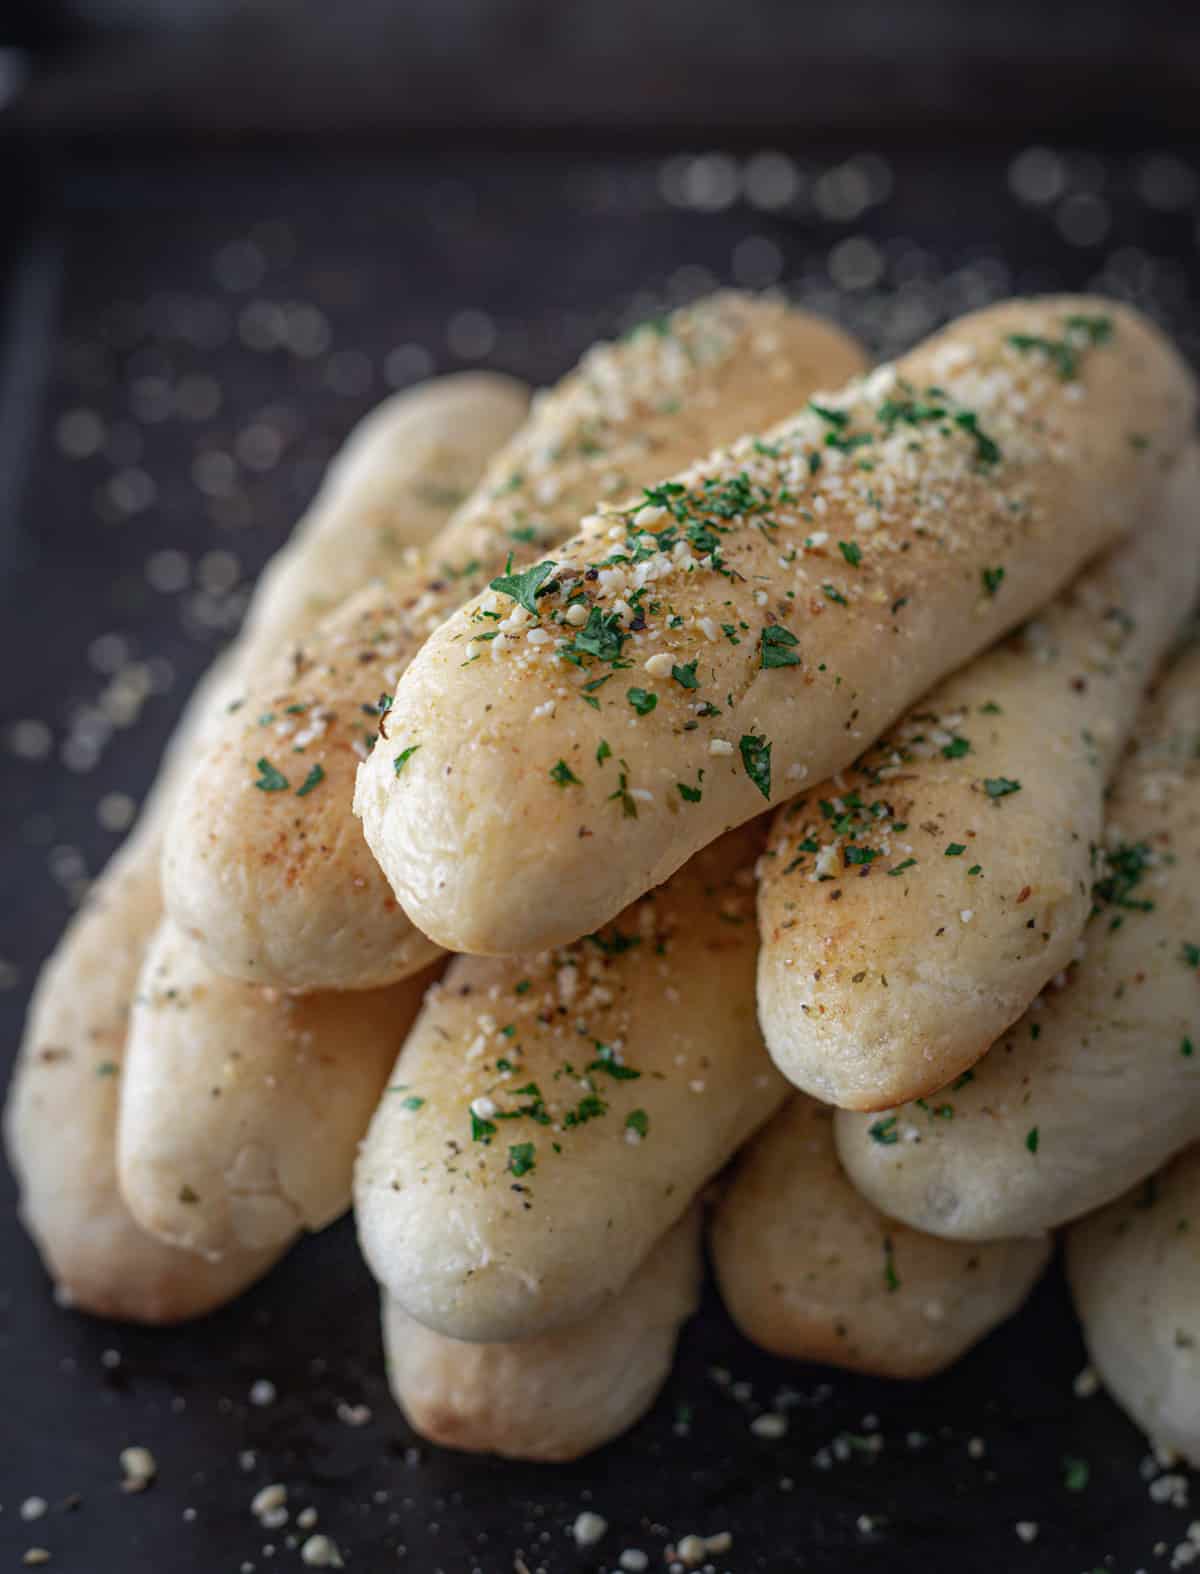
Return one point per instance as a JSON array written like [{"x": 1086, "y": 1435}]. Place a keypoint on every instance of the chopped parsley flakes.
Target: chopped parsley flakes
[
  {"x": 1063, "y": 354},
  {"x": 1000, "y": 786},
  {"x": 482, "y": 1130},
  {"x": 521, "y": 1159},
  {"x": 1076, "y": 1473},
  {"x": 756, "y": 761},
  {"x": 884, "y": 1131},
  {"x": 314, "y": 779},
  {"x": 777, "y": 647},
  {"x": 526, "y": 587},
  {"x": 270, "y": 779},
  {"x": 1125, "y": 865}
]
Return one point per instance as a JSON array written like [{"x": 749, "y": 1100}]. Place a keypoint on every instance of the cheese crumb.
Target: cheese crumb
[
  {"x": 1086, "y": 1383},
  {"x": 319, "y": 1552},
  {"x": 140, "y": 1468},
  {"x": 268, "y": 1500},
  {"x": 588, "y": 1528},
  {"x": 659, "y": 665}
]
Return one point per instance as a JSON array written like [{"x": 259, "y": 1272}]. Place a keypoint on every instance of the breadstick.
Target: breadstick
[
  {"x": 912, "y": 908},
  {"x": 241, "y": 1107},
  {"x": 288, "y": 894},
  {"x": 61, "y": 1113},
  {"x": 1099, "y": 1084},
  {"x": 551, "y": 1117},
  {"x": 811, "y": 1270},
  {"x": 385, "y": 495},
  {"x": 60, "y": 1118},
  {"x": 760, "y": 619},
  {"x": 1134, "y": 1272},
  {"x": 185, "y": 1172},
  {"x": 557, "y": 1395}
]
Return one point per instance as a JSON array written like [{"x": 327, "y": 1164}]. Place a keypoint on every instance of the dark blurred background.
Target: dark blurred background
[
  {"x": 228, "y": 230},
  {"x": 660, "y": 68}
]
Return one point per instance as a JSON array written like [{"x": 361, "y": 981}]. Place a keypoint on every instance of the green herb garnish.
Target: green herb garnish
[
  {"x": 521, "y": 1158},
  {"x": 269, "y": 779},
  {"x": 756, "y": 761},
  {"x": 524, "y": 588},
  {"x": 1000, "y": 786},
  {"x": 314, "y": 779},
  {"x": 777, "y": 647}
]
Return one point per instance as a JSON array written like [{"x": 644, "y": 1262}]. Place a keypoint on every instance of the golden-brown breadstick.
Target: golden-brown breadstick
[
  {"x": 912, "y": 908},
  {"x": 811, "y": 1270},
  {"x": 557, "y": 1395},
  {"x": 757, "y": 621},
  {"x": 550, "y": 1118},
  {"x": 69, "y": 1068},
  {"x": 285, "y": 892},
  {"x": 1134, "y": 1271},
  {"x": 1099, "y": 1084},
  {"x": 241, "y": 1107}
]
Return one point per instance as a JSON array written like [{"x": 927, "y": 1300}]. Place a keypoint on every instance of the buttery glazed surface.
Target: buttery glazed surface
[{"x": 759, "y": 619}]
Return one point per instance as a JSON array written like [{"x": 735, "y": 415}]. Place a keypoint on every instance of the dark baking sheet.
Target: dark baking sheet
[{"x": 120, "y": 277}]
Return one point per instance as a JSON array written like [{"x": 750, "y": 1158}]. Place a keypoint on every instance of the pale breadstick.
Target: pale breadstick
[
  {"x": 1134, "y": 1271},
  {"x": 810, "y": 1270},
  {"x": 241, "y": 1107},
  {"x": 288, "y": 894},
  {"x": 835, "y": 598},
  {"x": 557, "y": 1395},
  {"x": 1099, "y": 1084},
  {"x": 60, "y": 1117},
  {"x": 912, "y": 908},
  {"x": 551, "y": 1117}
]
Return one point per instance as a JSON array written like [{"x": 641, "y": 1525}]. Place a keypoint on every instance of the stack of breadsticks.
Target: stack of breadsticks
[{"x": 791, "y": 795}]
